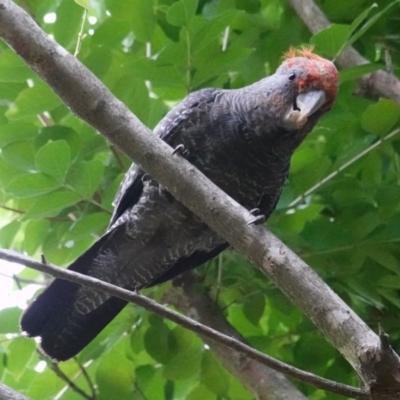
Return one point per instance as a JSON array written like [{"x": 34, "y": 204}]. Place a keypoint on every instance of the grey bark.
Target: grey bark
[{"x": 7, "y": 393}]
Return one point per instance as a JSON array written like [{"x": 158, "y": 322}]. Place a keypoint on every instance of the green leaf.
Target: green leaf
[
  {"x": 213, "y": 376},
  {"x": 209, "y": 32},
  {"x": 368, "y": 24},
  {"x": 35, "y": 233},
  {"x": 181, "y": 12},
  {"x": 199, "y": 393},
  {"x": 69, "y": 20},
  {"x": 8, "y": 233},
  {"x": 53, "y": 159},
  {"x": 57, "y": 132},
  {"x": 33, "y": 101},
  {"x": 8, "y": 173},
  {"x": 186, "y": 355},
  {"x": 218, "y": 62},
  {"x": 384, "y": 258},
  {"x": 17, "y": 132},
  {"x": 142, "y": 18},
  {"x": 349, "y": 74},
  {"x": 330, "y": 40},
  {"x": 360, "y": 19},
  {"x": 51, "y": 204},
  {"x": 120, "y": 10},
  {"x": 389, "y": 282},
  {"x": 253, "y": 308},
  {"x": 45, "y": 385},
  {"x": 31, "y": 185},
  {"x": 320, "y": 359},
  {"x": 99, "y": 61},
  {"x": 390, "y": 295},
  {"x": 84, "y": 178},
  {"x": 13, "y": 69},
  {"x": 381, "y": 117},
  {"x": 83, "y": 3},
  {"x": 157, "y": 341},
  {"x": 20, "y": 351},
  {"x": 114, "y": 376},
  {"x": 151, "y": 70},
  {"x": 91, "y": 224},
  {"x": 9, "y": 320},
  {"x": 133, "y": 92},
  {"x": 150, "y": 382},
  {"x": 112, "y": 31},
  {"x": 20, "y": 155}
]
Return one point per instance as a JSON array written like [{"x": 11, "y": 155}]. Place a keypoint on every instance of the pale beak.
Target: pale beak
[{"x": 305, "y": 105}]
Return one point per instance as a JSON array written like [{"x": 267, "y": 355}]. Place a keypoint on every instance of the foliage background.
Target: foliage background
[{"x": 58, "y": 178}]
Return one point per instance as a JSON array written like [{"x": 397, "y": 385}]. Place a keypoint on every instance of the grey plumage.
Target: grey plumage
[{"x": 242, "y": 140}]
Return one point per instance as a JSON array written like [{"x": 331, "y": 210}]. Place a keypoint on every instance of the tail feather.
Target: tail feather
[
  {"x": 53, "y": 315},
  {"x": 68, "y": 317}
]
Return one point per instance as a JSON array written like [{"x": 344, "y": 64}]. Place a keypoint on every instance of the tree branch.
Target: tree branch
[
  {"x": 7, "y": 393},
  {"x": 56, "y": 369},
  {"x": 91, "y": 101},
  {"x": 374, "y": 85},
  {"x": 186, "y": 322}
]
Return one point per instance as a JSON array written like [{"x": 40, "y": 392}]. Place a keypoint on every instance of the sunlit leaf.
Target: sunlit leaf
[
  {"x": 31, "y": 185},
  {"x": 53, "y": 159},
  {"x": 379, "y": 118},
  {"x": 331, "y": 39},
  {"x": 83, "y": 3},
  {"x": 181, "y": 12},
  {"x": 32, "y": 101}
]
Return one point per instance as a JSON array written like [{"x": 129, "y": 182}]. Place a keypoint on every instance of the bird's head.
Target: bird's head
[{"x": 312, "y": 82}]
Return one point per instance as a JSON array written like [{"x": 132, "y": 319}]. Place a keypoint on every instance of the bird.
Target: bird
[{"x": 242, "y": 140}]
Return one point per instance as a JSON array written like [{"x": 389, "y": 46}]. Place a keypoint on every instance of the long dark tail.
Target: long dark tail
[
  {"x": 67, "y": 318},
  {"x": 65, "y": 332}
]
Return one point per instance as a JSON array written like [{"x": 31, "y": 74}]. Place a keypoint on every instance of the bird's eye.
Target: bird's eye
[{"x": 292, "y": 77}]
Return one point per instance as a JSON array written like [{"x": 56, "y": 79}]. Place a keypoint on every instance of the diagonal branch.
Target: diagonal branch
[
  {"x": 70, "y": 383},
  {"x": 7, "y": 393},
  {"x": 91, "y": 101},
  {"x": 186, "y": 322}
]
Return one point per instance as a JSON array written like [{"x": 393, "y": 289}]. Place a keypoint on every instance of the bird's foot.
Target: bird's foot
[
  {"x": 180, "y": 149},
  {"x": 258, "y": 218}
]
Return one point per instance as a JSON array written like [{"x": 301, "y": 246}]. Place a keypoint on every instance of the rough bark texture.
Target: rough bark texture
[
  {"x": 7, "y": 393},
  {"x": 90, "y": 100},
  {"x": 195, "y": 326}
]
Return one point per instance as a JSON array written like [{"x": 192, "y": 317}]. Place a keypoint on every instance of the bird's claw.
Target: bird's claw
[
  {"x": 258, "y": 218},
  {"x": 180, "y": 149}
]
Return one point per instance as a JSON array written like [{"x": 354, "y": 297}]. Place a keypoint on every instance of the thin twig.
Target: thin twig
[
  {"x": 118, "y": 157},
  {"x": 24, "y": 212},
  {"x": 219, "y": 276},
  {"x": 88, "y": 379},
  {"x": 88, "y": 199},
  {"x": 54, "y": 367},
  {"x": 150, "y": 305},
  {"x": 80, "y": 34},
  {"x": 342, "y": 167}
]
